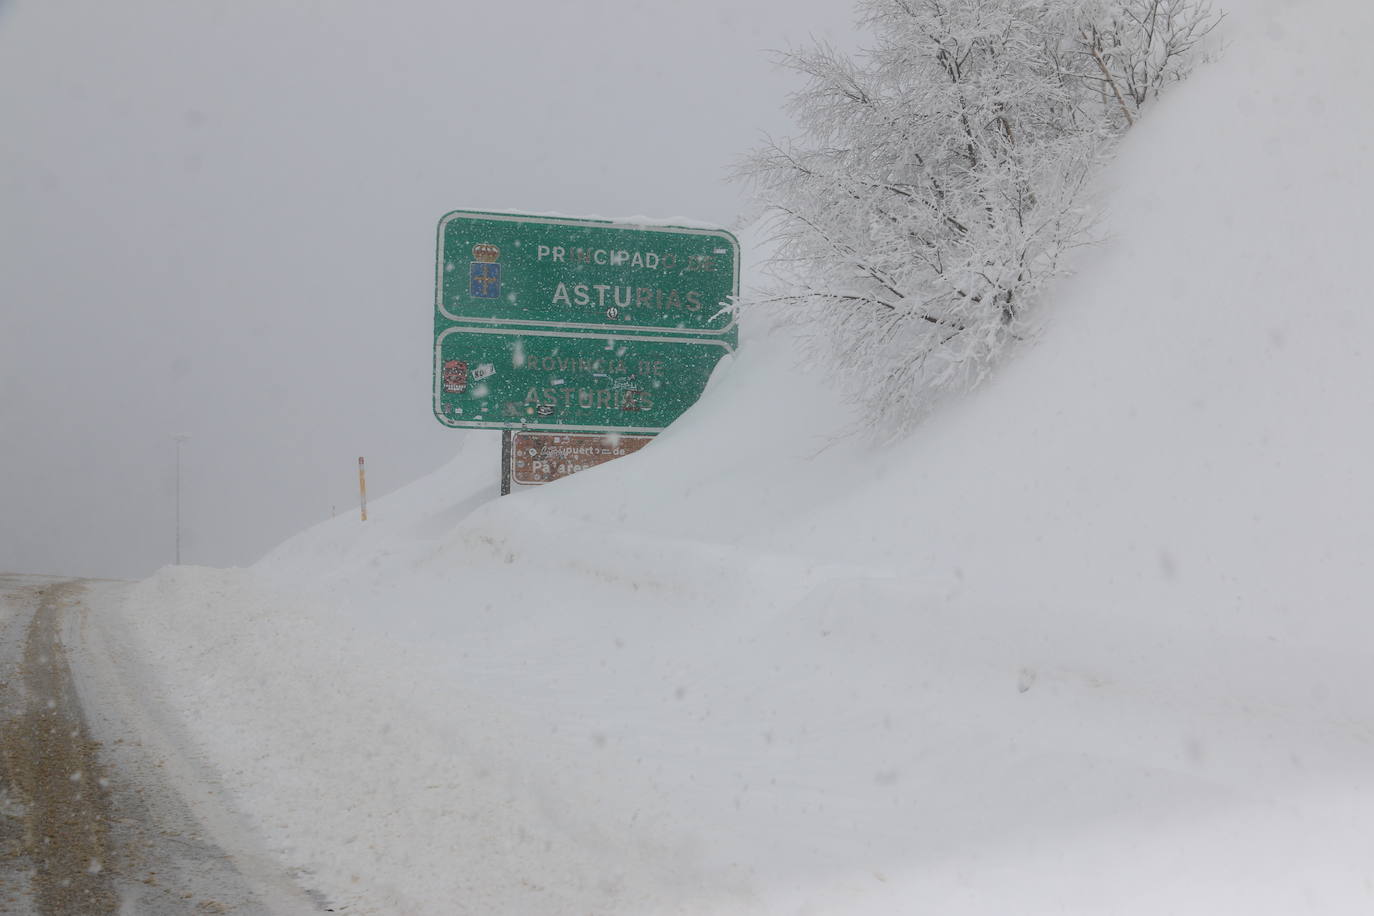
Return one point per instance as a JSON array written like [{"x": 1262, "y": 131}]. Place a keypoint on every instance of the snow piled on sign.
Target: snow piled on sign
[{"x": 1095, "y": 640}]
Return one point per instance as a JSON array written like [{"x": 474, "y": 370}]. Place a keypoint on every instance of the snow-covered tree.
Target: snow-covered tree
[
  {"x": 939, "y": 180},
  {"x": 1139, "y": 46}
]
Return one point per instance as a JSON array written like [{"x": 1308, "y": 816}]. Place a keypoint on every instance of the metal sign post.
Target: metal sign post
[
  {"x": 180, "y": 439},
  {"x": 505, "y": 461}
]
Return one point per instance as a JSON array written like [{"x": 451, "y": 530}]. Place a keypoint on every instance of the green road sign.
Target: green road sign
[
  {"x": 546, "y": 323},
  {"x": 573, "y": 381},
  {"x": 537, "y": 272}
]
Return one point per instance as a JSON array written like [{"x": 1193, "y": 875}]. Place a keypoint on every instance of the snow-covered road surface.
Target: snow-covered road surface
[{"x": 102, "y": 811}]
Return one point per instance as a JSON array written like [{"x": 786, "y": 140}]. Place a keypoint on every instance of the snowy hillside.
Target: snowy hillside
[{"x": 1095, "y": 640}]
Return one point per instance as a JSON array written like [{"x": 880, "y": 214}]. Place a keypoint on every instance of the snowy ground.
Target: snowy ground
[
  {"x": 102, "y": 808},
  {"x": 1095, "y": 640}
]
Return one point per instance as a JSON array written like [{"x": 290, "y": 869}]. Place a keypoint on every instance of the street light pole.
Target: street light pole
[{"x": 179, "y": 438}]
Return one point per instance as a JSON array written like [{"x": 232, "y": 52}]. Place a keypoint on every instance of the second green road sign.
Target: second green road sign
[
  {"x": 577, "y": 325},
  {"x": 488, "y": 378}
]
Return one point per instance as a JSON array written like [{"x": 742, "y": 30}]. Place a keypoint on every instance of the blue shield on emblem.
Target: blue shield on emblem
[{"x": 485, "y": 280}]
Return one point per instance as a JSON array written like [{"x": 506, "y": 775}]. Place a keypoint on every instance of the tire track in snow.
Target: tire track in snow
[
  {"x": 51, "y": 765},
  {"x": 102, "y": 812}
]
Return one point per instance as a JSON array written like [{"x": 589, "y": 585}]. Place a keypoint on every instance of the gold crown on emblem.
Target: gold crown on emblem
[{"x": 485, "y": 252}]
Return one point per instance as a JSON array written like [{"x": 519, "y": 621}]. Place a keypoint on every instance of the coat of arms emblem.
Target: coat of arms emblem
[{"x": 485, "y": 274}]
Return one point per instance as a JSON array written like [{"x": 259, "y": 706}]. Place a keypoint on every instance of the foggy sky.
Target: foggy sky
[{"x": 218, "y": 220}]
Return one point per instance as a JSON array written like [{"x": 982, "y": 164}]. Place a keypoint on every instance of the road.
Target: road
[{"x": 105, "y": 808}]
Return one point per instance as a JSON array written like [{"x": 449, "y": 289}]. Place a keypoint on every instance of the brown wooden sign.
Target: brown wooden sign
[{"x": 538, "y": 458}]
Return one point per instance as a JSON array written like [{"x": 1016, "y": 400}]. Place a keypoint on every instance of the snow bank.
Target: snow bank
[{"x": 1094, "y": 641}]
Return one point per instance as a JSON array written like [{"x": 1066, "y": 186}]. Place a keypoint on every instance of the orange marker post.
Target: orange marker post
[{"x": 362, "y": 486}]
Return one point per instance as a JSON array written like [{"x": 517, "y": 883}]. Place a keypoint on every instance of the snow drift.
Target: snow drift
[{"x": 1094, "y": 640}]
